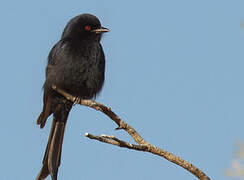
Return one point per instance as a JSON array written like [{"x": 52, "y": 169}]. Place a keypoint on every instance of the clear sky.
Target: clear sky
[{"x": 174, "y": 72}]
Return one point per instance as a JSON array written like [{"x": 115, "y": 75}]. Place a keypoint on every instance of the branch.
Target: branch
[{"x": 142, "y": 144}]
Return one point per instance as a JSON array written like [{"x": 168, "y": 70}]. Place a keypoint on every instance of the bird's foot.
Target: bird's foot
[{"x": 77, "y": 100}]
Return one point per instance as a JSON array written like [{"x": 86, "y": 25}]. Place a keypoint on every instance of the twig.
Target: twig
[
  {"x": 142, "y": 144},
  {"x": 117, "y": 142}
]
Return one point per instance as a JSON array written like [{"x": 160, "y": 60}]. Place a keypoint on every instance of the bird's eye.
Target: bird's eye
[{"x": 87, "y": 28}]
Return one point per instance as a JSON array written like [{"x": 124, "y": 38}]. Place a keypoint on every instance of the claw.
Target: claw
[{"x": 77, "y": 100}]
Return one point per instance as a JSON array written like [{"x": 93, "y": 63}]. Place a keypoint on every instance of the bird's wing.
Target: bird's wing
[
  {"x": 53, "y": 60},
  {"x": 55, "y": 54}
]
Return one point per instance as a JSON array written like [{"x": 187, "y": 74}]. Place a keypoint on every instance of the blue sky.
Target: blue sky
[{"x": 174, "y": 72}]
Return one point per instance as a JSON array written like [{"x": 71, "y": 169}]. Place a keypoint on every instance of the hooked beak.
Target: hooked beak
[{"x": 100, "y": 30}]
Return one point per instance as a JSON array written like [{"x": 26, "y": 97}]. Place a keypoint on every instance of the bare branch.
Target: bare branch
[
  {"x": 142, "y": 144},
  {"x": 117, "y": 142},
  {"x": 106, "y": 110}
]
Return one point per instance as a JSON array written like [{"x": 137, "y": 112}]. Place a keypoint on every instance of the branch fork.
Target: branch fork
[{"x": 141, "y": 145}]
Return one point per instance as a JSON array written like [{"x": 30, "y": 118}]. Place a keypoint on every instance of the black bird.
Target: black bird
[{"x": 76, "y": 64}]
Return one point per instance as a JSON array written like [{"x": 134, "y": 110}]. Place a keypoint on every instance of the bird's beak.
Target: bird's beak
[{"x": 100, "y": 30}]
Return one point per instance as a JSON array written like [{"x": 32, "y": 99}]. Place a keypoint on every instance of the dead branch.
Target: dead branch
[{"x": 142, "y": 144}]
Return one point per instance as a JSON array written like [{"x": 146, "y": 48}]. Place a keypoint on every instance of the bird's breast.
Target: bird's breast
[{"x": 85, "y": 75}]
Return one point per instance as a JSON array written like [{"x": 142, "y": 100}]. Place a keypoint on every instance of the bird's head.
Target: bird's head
[{"x": 84, "y": 26}]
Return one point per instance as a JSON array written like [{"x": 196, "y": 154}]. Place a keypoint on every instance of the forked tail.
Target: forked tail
[{"x": 52, "y": 157}]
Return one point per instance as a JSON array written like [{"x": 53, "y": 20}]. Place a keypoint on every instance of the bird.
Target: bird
[{"x": 76, "y": 64}]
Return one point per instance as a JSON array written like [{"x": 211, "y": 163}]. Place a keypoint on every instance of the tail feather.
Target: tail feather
[
  {"x": 45, "y": 171},
  {"x": 45, "y": 113},
  {"x": 55, "y": 150},
  {"x": 52, "y": 157}
]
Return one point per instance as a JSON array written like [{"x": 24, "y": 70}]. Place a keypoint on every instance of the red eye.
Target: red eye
[{"x": 87, "y": 28}]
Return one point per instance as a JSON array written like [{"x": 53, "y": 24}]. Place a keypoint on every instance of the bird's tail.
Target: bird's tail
[{"x": 52, "y": 157}]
